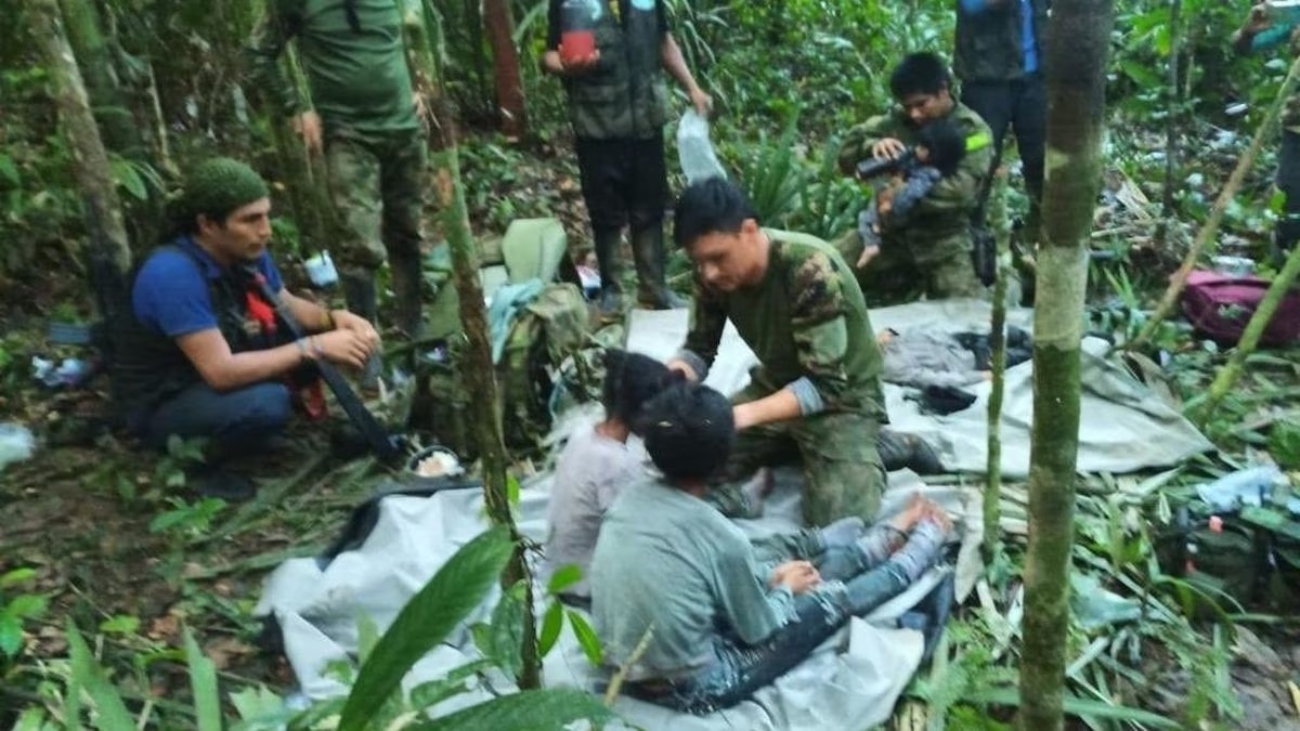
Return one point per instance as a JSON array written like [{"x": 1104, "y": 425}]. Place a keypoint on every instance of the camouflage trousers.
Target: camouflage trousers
[
  {"x": 894, "y": 275},
  {"x": 843, "y": 474},
  {"x": 376, "y": 183}
]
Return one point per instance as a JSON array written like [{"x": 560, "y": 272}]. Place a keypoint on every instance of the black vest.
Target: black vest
[
  {"x": 989, "y": 46},
  {"x": 149, "y": 367}
]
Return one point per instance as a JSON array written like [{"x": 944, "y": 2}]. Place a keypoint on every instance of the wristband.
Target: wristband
[
  {"x": 327, "y": 320},
  {"x": 302, "y": 349}
]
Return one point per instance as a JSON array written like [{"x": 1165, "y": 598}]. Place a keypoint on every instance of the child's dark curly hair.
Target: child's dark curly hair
[{"x": 632, "y": 379}]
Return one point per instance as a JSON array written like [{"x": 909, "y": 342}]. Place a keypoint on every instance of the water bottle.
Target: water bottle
[
  {"x": 1245, "y": 487},
  {"x": 578, "y": 29}
]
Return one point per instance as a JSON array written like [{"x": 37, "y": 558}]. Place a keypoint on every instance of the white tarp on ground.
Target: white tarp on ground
[
  {"x": 855, "y": 679},
  {"x": 1125, "y": 427}
]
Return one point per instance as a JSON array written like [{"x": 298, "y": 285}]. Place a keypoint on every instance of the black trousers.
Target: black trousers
[
  {"x": 1288, "y": 182},
  {"x": 1019, "y": 105}
]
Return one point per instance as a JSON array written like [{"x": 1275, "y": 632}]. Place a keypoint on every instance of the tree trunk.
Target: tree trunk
[
  {"x": 998, "y": 351},
  {"x": 509, "y": 84},
  {"x": 1211, "y": 227},
  {"x": 90, "y": 166},
  {"x": 1078, "y": 42},
  {"x": 1172, "y": 128},
  {"x": 1227, "y": 376},
  {"x": 117, "y": 126}
]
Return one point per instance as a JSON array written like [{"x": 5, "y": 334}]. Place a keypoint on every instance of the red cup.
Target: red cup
[{"x": 577, "y": 45}]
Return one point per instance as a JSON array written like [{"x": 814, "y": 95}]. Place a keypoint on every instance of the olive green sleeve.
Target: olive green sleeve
[
  {"x": 278, "y": 25},
  {"x": 859, "y": 140},
  {"x": 819, "y": 326}
]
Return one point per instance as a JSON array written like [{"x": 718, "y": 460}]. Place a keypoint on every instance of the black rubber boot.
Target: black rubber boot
[
  {"x": 363, "y": 299},
  {"x": 652, "y": 289},
  {"x": 610, "y": 304},
  {"x": 408, "y": 293}
]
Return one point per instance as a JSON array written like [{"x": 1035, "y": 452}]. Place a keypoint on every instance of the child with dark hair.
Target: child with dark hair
[
  {"x": 720, "y": 625},
  {"x": 939, "y": 149},
  {"x": 595, "y": 464}
]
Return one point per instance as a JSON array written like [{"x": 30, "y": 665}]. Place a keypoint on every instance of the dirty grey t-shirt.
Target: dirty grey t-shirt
[
  {"x": 589, "y": 474},
  {"x": 668, "y": 561}
]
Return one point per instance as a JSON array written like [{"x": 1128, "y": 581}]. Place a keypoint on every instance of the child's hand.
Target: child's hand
[
  {"x": 868, "y": 253},
  {"x": 798, "y": 576}
]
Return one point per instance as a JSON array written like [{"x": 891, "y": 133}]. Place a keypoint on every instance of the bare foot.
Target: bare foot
[{"x": 915, "y": 510}]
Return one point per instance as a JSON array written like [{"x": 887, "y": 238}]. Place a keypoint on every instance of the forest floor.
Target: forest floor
[{"x": 120, "y": 548}]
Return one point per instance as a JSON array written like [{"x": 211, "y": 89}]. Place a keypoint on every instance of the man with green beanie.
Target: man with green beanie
[
  {"x": 202, "y": 356},
  {"x": 362, "y": 112},
  {"x": 618, "y": 106}
]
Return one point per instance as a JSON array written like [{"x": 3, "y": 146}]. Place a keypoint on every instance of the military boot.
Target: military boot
[
  {"x": 652, "y": 289},
  {"x": 899, "y": 450},
  {"x": 610, "y": 304},
  {"x": 363, "y": 300},
  {"x": 408, "y": 293}
]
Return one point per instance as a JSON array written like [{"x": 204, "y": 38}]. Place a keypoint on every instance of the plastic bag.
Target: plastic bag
[
  {"x": 695, "y": 151},
  {"x": 16, "y": 443}
]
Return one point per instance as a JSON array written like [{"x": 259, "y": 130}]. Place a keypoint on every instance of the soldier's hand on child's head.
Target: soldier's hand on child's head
[{"x": 888, "y": 148}]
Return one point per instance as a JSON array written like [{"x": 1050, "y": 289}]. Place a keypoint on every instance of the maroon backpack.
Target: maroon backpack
[{"x": 1220, "y": 305}]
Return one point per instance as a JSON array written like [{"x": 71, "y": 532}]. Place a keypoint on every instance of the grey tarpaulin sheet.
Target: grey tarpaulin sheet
[
  {"x": 1124, "y": 427},
  {"x": 855, "y": 679}
]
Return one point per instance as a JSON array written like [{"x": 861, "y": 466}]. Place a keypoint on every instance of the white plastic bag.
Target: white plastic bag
[
  {"x": 16, "y": 443},
  {"x": 695, "y": 151}
]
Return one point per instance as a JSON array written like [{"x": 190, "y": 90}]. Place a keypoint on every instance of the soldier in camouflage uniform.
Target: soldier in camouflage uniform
[
  {"x": 618, "y": 106},
  {"x": 929, "y": 249},
  {"x": 363, "y": 113},
  {"x": 816, "y": 392},
  {"x": 1260, "y": 33}
]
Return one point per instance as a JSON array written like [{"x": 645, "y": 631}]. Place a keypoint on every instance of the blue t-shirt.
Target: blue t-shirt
[{"x": 171, "y": 291}]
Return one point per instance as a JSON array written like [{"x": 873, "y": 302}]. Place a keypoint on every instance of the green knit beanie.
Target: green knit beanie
[{"x": 216, "y": 187}]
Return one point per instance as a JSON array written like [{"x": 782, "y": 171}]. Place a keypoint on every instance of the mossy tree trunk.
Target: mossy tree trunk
[
  {"x": 998, "y": 352},
  {"x": 1077, "y": 45},
  {"x": 90, "y": 166},
  {"x": 505, "y": 64},
  {"x": 117, "y": 125}
]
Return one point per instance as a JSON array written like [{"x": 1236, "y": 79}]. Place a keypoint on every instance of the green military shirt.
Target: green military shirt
[
  {"x": 806, "y": 319},
  {"x": 359, "y": 78},
  {"x": 938, "y": 226}
]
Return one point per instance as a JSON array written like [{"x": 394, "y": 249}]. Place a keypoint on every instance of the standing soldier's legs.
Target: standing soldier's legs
[
  {"x": 842, "y": 469},
  {"x": 600, "y": 169},
  {"x": 952, "y": 276},
  {"x": 1287, "y": 232},
  {"x": 647, "y": 193},
  {"x": 352, "y": 175},
  {"x": 402, "y": 177},
  {"x": 1029, "y": 121}
]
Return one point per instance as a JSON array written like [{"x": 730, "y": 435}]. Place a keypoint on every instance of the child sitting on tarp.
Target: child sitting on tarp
[
  {"x": 940, "y": 147},
  {"x": 671, "y": 572},
  {"x": 597, "y": 463}
]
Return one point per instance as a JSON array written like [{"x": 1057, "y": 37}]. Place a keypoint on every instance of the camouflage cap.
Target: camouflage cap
[{"x": 218, "y": 186}]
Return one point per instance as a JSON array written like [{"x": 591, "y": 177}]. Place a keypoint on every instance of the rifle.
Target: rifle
[{"x": 389, "y": 448}]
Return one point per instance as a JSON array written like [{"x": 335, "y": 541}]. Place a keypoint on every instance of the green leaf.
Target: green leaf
[
  {"x": 1284, "y": 444},
  {"x": 11, "y": 635},
  {"x": 120, "y": 624},
  {"x": 531, "y": 710},
  {"x": 259, "y": 709},
  {"x": 203, "y": 683},
  {"x": 27, "y": 606},
  {"x": 587, "y": 638},
  {"x": 367, "y": 636},
  {"x": 427, "y": 695},
  {"x": 458, "y": 587},
  {"x": 1077, "y": 707},
  {"x": 111, "y": 713},
  {"x": 9, "y": 171},
  {"x": 16, "y": 577},
  {"x": 552, "y": 624},
  {"x": 564, "y": 577},
  {"x": 512, "y": 489}
]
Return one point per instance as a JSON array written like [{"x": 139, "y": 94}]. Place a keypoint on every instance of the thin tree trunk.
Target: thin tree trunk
[
  {"x": 1078, "y": 42},
  {"x": 108, "y": 104},
  {"x": 509, "y": 83},
  {"x": 1172, "y": 127},
  {"x": 1211, "y": 227},
  {"x": 998, "y": 350},
  {"x": 1227, "y": 376},
  {"x": 90, "y": 160}
]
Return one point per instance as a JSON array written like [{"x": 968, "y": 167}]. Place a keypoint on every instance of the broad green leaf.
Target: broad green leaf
[
  {"x": 427, "y": 695},
  {"x": 11, "y": 635},
  {"x": 9, "y": 171},
  {"x": 507, "y": 631},
  {"x": 26, "y": 606},
  {"x": 458, "y": 587},
  {"x": 259, "y": 709},
  {"x": 552, "y": 624},
  {"x": 531, "y": 710},
  {"x": 367, "y": 636},
  {"x": 587, "y": 638},
  {"x": 564, "y": 577},
  {"x": 110, "y": 710},
  {"x": 33, "y": 719},
  {"x": 120, "y": 624},
  {"x": 16, "y": 577},
  {"x": 203, "y": 683}
]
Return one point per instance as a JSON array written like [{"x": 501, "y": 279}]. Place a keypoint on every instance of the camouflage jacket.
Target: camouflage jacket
[
  {"x": 989, "y": 44},
  {"x": 806, "y": 319},
  {"x": 939, "y": 224},
  {"x": 624, "y": 97}
]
